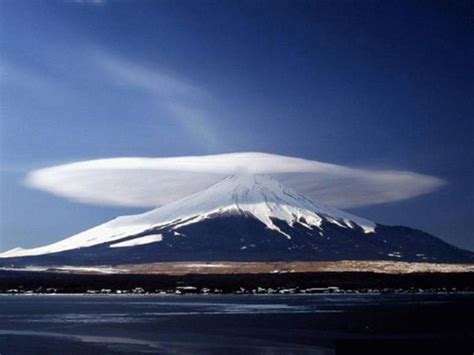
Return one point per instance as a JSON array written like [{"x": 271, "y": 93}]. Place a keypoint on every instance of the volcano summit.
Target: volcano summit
[{"x": 245, "y": 217}]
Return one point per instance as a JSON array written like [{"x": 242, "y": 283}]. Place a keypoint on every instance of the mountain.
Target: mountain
[{"x": 240, "y": 218}]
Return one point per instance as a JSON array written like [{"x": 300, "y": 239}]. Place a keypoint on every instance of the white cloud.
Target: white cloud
[
  {"x": 156, "y": 81},
  {"x": 151, "y": 182},
  {"x": 186, "y": 103},
  {"x": 89, "y": 2}
]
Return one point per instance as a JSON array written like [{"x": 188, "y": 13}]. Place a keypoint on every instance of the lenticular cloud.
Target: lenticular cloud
[{"x": 152, "y": 182}]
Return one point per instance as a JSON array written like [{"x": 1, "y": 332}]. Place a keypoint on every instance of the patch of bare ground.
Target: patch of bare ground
[{"x": 224, "y": 267}]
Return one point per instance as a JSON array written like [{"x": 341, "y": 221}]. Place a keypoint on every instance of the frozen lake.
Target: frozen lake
[{"x": 237, "y": 324}]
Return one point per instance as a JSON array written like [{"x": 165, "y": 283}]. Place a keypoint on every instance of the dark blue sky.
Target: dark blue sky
[{"x": 380, "y": 84}]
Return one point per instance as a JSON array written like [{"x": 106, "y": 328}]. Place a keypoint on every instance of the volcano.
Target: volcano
[{"x": 240, "y": 218}]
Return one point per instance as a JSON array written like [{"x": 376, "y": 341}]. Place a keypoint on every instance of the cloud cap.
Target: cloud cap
[{"x": 152, "y": 182}]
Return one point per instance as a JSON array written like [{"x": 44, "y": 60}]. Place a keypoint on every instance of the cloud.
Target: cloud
[
  {"x": 152, "y": 182},
  {"x": 89, "y": 2},
  {"x": 186, "y": 103},
  {"x": 156, "y": 81}
]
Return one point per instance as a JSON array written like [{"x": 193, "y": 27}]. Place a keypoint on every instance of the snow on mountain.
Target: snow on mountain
[
  {"x": 153, "y": 238},
  {"x": 254, "y": 195}
]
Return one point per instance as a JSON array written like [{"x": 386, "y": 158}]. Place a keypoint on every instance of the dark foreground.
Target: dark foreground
[{"x": 233, "y": 324}]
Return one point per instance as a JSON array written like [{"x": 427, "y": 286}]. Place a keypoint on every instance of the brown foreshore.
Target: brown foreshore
[{"x": 225, "y": 267}]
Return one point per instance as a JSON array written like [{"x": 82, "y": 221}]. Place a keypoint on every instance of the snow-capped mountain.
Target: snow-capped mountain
[{"x": 242, "y": 217}]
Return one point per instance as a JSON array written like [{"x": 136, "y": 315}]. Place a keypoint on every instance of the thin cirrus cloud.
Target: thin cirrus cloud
[
  {"x": 152, "y": 182},
  {"x": 184, "y": 102},
  {"x": 155, "y": 81},
  {"x": 89, "y": 2}
]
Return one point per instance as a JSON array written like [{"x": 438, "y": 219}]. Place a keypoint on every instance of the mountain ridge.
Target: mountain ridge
[{"x": 242, "y": 217}]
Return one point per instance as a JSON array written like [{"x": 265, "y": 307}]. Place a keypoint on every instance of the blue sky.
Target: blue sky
[{"x": 375, "y": 84}]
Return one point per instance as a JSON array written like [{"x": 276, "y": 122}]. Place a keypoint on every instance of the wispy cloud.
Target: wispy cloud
[
  {"x": 176, "y": 99},
  {"x": 88, "y": 2},
  {"x": 151, "y": 182},
  {"x": 154, "y": 80},
  {"x": 185, "y": 102}
]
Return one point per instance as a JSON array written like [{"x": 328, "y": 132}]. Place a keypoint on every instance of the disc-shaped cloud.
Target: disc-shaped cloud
[{"x": 152, "y": 182}]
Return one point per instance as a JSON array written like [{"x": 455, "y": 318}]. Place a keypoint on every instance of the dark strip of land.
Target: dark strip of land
[{"x": 231, "y": 283}]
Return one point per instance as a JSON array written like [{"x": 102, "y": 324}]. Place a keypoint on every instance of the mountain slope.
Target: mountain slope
[{"x": 243, "y": 217}]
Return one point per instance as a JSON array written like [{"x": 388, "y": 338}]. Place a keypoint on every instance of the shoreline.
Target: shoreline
[
  {"x": 46, "y": 282},
  {"x": 6, "y": 294},
  {"x": 231, "y": 267}
]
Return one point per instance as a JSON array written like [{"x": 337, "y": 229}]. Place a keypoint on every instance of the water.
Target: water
[{"x": 234, "y": 324}]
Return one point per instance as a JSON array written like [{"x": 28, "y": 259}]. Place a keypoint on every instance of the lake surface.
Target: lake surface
[{"x": 235, "y": 324}]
